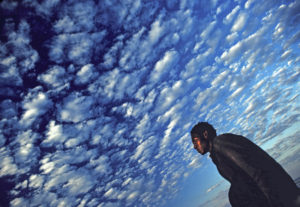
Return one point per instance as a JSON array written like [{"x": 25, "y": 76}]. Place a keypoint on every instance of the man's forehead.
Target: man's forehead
[{"x": 195, "y": 136}]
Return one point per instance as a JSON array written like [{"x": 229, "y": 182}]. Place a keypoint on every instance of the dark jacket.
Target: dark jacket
[{"x": 256, "y": 178}]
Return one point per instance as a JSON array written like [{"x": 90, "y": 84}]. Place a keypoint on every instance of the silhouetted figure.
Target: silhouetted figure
[{"x": 257, "y": 180}]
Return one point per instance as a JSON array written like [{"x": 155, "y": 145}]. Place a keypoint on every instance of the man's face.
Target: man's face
[{"x": 200, "y": 145}]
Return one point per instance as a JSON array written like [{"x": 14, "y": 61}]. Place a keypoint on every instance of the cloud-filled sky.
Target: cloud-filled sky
[{"x": 98, "y": 97}]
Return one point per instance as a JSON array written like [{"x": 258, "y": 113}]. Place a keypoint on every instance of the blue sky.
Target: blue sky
[{"x": 98, "y": 97}]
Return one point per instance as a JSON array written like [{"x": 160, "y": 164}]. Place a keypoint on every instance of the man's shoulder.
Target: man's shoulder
[
  {"x": 228, "y": 136},
  {"x": 225, "y": 144},
  {"x": 231, "y": 138}
]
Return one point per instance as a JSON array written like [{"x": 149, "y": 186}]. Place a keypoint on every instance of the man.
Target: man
[{"x": 257, "y": 180}]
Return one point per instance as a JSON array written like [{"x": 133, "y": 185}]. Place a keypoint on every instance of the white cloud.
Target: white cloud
[
  {"x": 213, "y": 187},
  {"x": 22, "y": 37},
  {"x": 292, "y": 40},
  {"x": 156, "y": 31},
  {"x": 195, "y": 162},
  {"x": 56, "y": 52},
  {"x": 36, "y": 181},
  {"x": 9, "y": 5},
  {"x": 278, "y": 30},
  {"x": 80, "y": 52},
  {"x": 83, "y": 14},
  {"x": 168, "y": 96},
  {"x": 45, "y": 197},
  {"x": 65, "y": 25},
  {"x": 175, "y": 111},
  {"x": 75, "y": 47},
  {"x": 164, "y": 65},
  {"x": 76, "y": 108},
  {"x": 8, "y": 109},
  {"x": 248, "y": 44},
  {"x": 248, "y": 4},
  {"x": 161, "y": 40},
  {"x": 26, "y": 153},
  {"x": 80, "y": 183},
  {"x": 145, "y": 149},
  {"x": 141, "y": 128},
  {"x": 127, "y": 58},
  {"x": 286, "y": 54},
  {"x": 236, "y": 93},
  {"x": 45, "y": 8},
  {"x": 219, "y": 80},
  {"x": 17, "y": 53},
  {"x": 240, "y": 22},
  {"x": 2, "y": 140},
  {"x": 54, "y": 135},
  {"x": 110, "y": 57},
  {"x": 70, "y": 143},
  {"x": 30, "y": 61},
  {"x": 55, "y": 77},
  {"x": 47, "y": 167},
  {"x": 133, "y": 195},
  {"x": 233, "y": 51},
  {"x": 258, "y": 85},
  {"x": 85, "y": 74},
  {"x": 167, "y": 138},
  {"x": 228, "y": 19},
  {"x": 101, "y": 165},
  {"x": 8, "y": 167},
  {"x": 191, "y": 67},
  {"x": 221, "y": 199},
  {"x": 110, "y": 193},
  {"x": 205, "y": 34},
  {"x": 119, "y": 87},
  {"x": 232, "y": 37},
  {"x": 36, "y": 104},
  {"x": 135, "y": 7},
  {"x": 58, "y": 177},
  {"x": 184, "y": 24},
  {"x": 18, "y": 202}
]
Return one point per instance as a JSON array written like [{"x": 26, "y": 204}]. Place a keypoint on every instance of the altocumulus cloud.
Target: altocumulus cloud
[{"x": 98, "y": 97}]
